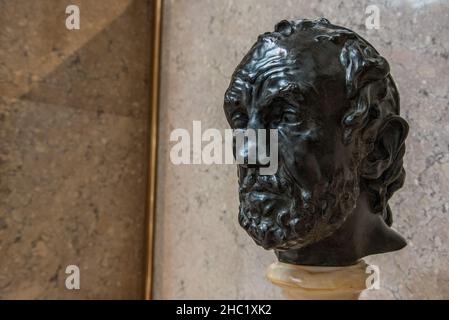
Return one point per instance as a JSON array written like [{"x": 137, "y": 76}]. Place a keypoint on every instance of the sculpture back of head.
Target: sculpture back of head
[{"x": 332, "y": 98}]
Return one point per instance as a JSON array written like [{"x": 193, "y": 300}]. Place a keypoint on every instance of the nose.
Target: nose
[
  {"x": 251, "y": 148},
  {"x": 245, "y": 150}
]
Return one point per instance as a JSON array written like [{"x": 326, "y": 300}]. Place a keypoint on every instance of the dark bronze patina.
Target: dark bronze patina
[{"x": 332, "y": 99}]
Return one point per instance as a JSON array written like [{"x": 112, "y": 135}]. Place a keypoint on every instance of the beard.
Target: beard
[{"x": 278, "y": 213}]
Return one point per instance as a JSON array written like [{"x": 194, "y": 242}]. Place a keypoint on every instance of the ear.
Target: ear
[{"x": 389, "y": 144}]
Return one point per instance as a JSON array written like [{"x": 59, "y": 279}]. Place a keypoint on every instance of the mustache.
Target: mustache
[{"x": 251, "y": 180}]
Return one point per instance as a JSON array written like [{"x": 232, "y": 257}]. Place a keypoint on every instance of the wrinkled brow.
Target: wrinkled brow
[
  {"x": 238, "y": 94},
  {"x": 289, "y": 91}
]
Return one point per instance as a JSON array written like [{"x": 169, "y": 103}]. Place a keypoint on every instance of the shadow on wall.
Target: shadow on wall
[{"x": 73, "y": 106}]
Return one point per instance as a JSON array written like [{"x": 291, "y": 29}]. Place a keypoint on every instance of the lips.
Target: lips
[
  {"x": 264, "y": 190},
  {"x": 262, "y": 195},
  {"x": 253, "y": 182}
]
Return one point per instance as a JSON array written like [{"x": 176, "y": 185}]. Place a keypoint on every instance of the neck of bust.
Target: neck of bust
[{"x": 363, "y": 233}]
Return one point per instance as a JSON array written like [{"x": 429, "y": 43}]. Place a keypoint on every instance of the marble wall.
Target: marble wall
[
  {"x": 73, "y": 110},
  {"x": 73, "y": 113},
  {"x": 201, "y": 252}
]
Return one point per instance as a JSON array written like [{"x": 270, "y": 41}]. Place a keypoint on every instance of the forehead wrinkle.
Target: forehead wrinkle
[
  {"x": 268, "y": 62},
  {"x": 258, "y": 66},
  {"x": 280, "y": 81}
]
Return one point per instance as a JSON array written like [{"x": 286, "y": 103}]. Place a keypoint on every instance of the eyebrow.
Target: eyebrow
[
  {"x": 230, "y": 98},
  {"x": 238, "y": 90},
  {"x": 285, "y": 92}
]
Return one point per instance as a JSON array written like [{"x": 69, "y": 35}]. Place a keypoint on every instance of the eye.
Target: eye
[
  {"x": 283, "y": 113},
  {"x": 239, "y": 119},
  {"x": 289, "y": 117}
]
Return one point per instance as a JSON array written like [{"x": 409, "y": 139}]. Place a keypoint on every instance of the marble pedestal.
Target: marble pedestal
[{"x": 319, "y": 283}]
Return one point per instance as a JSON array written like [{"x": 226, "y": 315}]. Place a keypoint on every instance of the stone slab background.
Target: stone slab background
[
  {"x": 201, "y": 252},
  {"x": 73, "y": 116}
]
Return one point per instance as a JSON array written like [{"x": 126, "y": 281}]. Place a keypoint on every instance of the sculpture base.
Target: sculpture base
[{"x": 319, "y": 283}]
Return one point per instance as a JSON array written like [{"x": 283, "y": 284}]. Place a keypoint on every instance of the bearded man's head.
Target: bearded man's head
[{"x": 331, "y": 97}]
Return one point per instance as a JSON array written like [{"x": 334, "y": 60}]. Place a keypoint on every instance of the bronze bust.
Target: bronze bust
[{"x": 331, "y": 97}]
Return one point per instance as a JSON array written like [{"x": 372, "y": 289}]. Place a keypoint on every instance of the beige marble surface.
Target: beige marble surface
[
  {"x": 73, "y": 110},
  {"x": 201, "y": 251}
]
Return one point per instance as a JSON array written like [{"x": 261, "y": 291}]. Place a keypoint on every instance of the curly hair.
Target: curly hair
[{"x": 373, "y": 114}]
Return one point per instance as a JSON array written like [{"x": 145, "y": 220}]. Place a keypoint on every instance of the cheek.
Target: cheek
[
  {"x": 314, "y": 156},
  {"x": 302, "y": 160}
]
